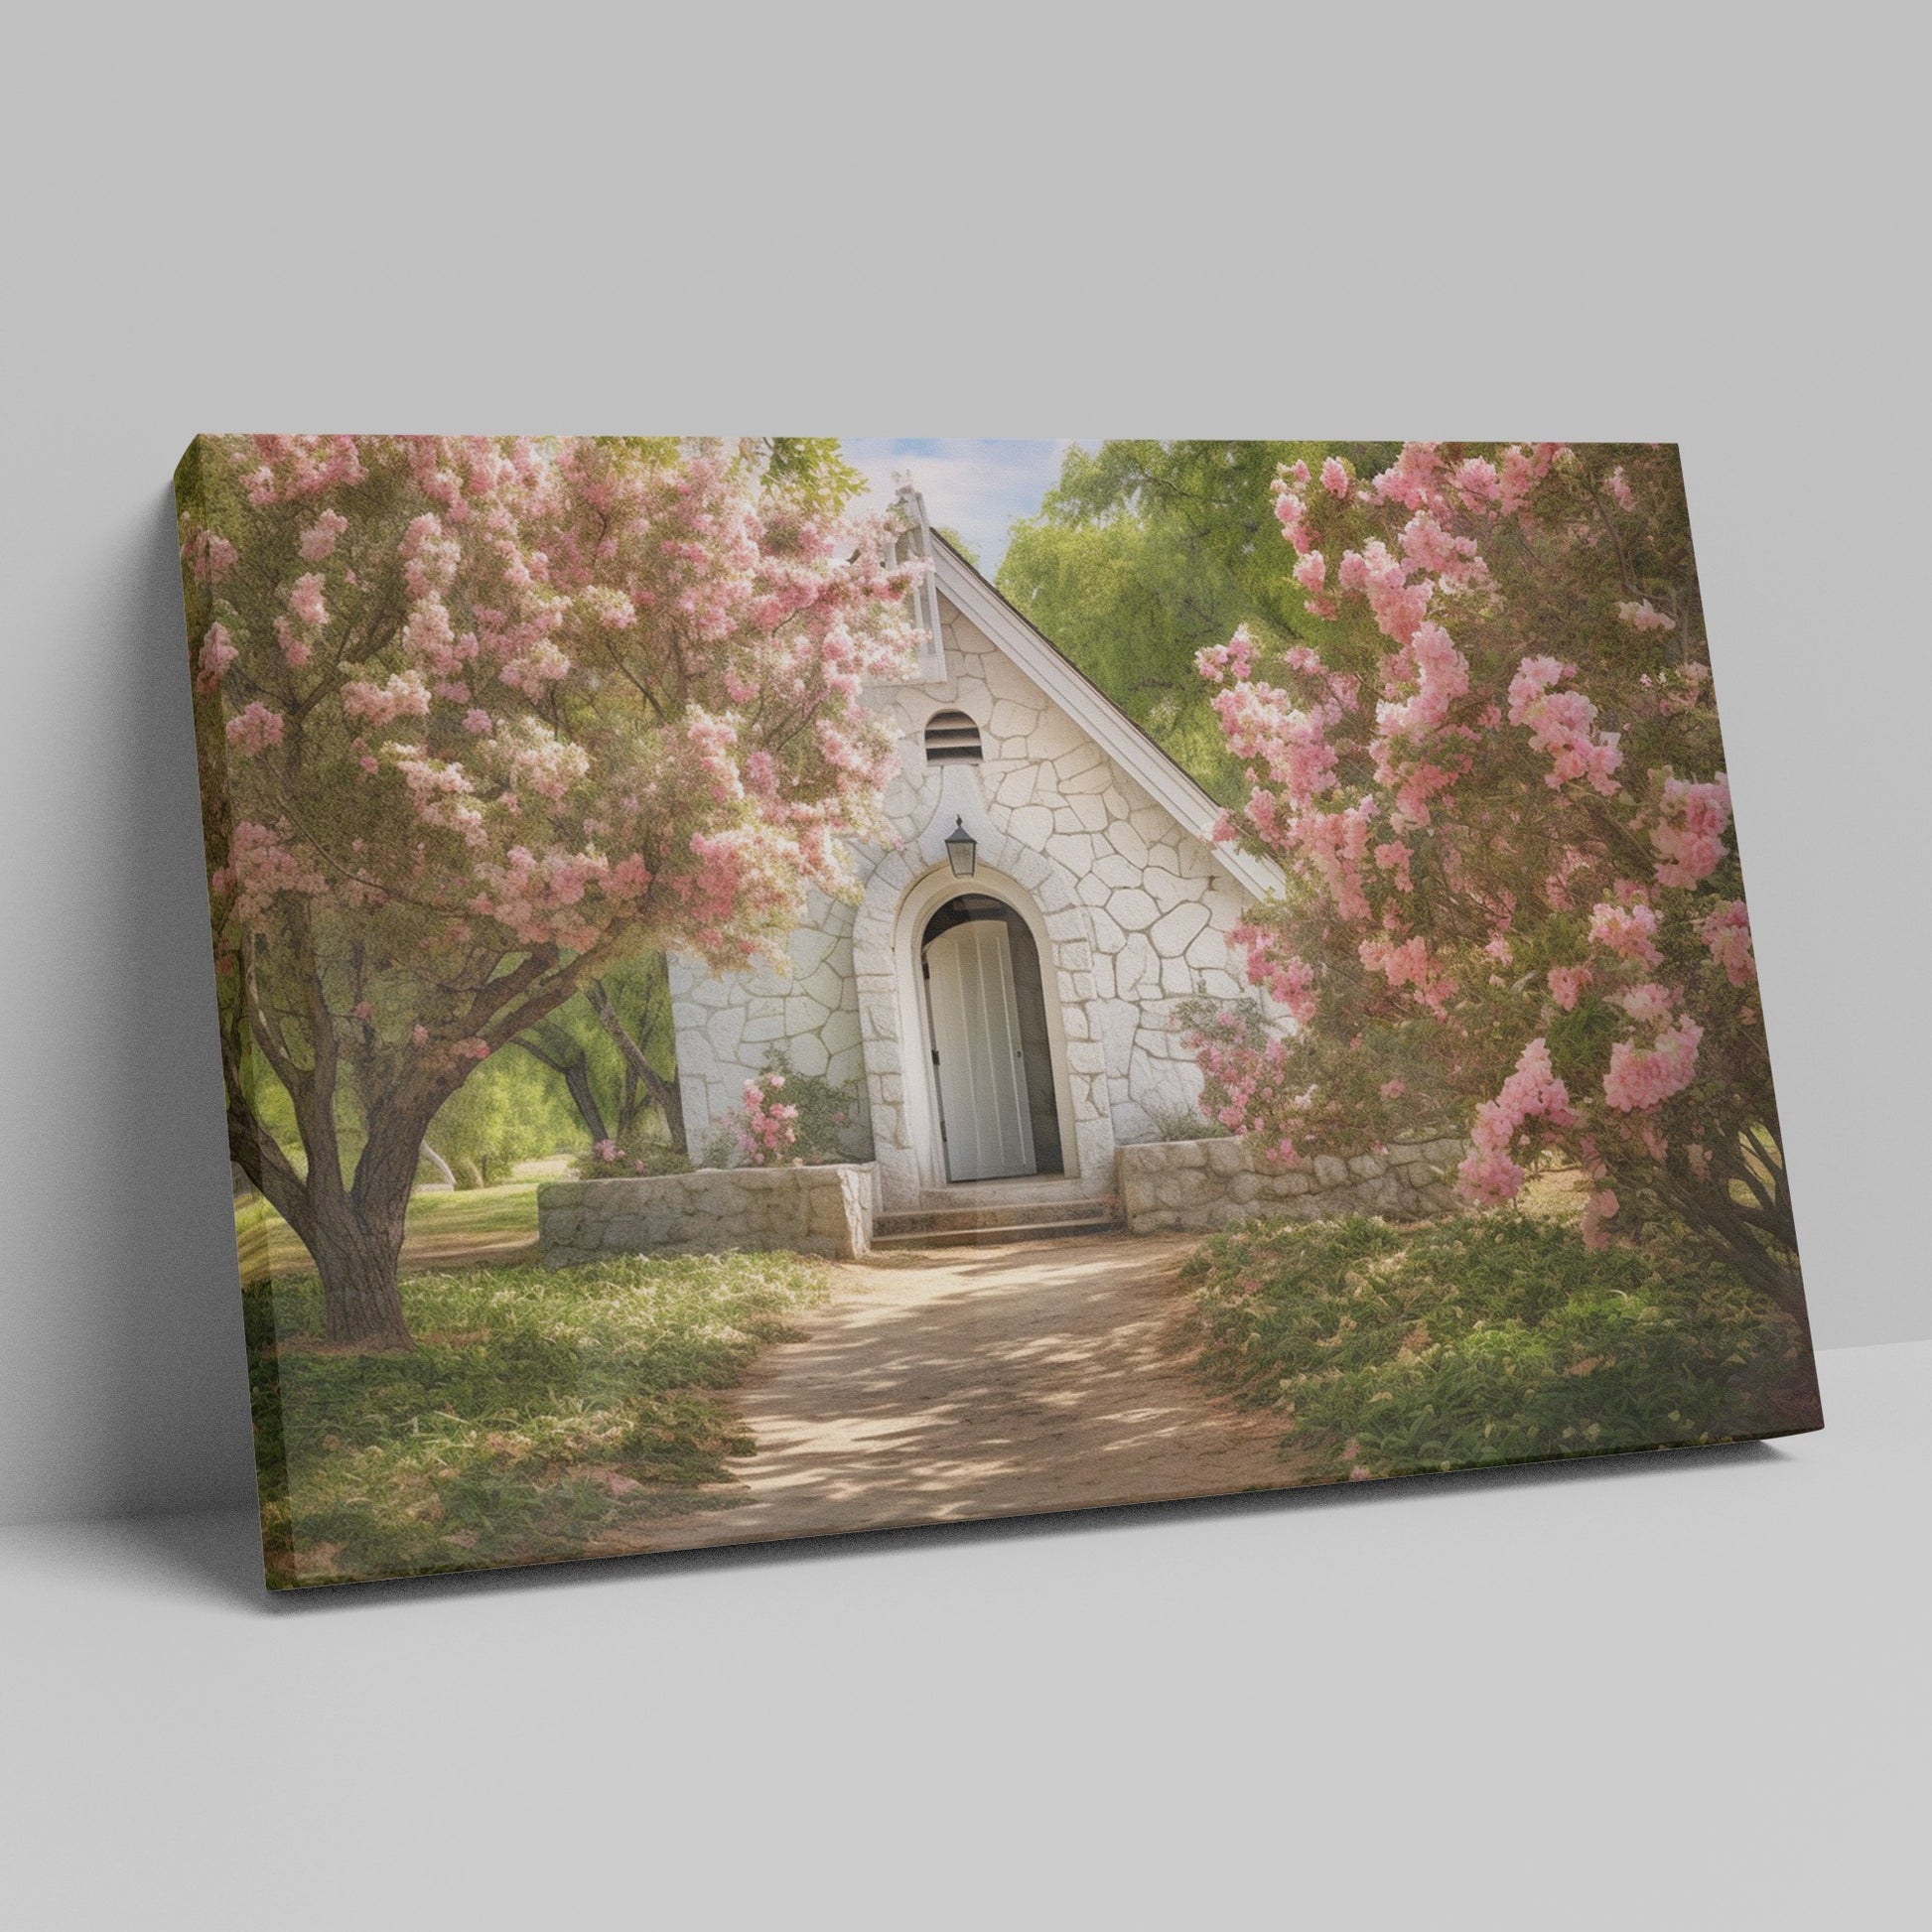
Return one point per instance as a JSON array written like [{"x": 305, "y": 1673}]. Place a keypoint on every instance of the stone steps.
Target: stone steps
[{"x": 995, "y": 1222}]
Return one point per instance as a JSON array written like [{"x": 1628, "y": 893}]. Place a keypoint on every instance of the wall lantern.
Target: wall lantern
[{"x": 961, "y": 850}]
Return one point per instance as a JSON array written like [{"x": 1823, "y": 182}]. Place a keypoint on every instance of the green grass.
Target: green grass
[
  {"x": 540, "y": 1410},
  {"x": 267, "y": 1245},
  {"x": 1491, "y": 1338}
]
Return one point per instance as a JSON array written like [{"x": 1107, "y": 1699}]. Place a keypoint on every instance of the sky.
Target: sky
[{"x": 975, "y": 486}]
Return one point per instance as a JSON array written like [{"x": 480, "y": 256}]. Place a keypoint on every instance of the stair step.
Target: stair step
[
  {"x": 981, "y": 1235},
  {"x": 1011, "y": 1213}
]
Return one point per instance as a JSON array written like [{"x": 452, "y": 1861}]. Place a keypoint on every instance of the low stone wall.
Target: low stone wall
[
  {"x": 814, "y": 1210},
  {"x": 1202, "y": 1184}
]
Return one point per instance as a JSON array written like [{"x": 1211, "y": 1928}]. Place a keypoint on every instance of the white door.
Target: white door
[{"x": 980, "y": 1069}]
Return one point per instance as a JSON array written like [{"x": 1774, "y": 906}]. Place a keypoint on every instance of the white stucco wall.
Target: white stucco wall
[{"x": 1131, "y": 912}]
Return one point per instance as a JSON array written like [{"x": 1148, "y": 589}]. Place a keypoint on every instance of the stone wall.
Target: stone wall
[
  {"x": 814, "y": 1210},
  {"x": 1202, "y": 1184}
]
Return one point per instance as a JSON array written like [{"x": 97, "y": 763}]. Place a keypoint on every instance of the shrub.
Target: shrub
[
  {"x": 789, "y": 1119},
  {"x": 609, "y": 1162},
  {"x": 1490, "y": 1338}
]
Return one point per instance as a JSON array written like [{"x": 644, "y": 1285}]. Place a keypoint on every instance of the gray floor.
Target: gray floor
[{"x": 1683, "y": 1690}]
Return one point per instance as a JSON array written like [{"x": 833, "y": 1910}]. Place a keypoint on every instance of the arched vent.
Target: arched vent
[{"x": 951, "y": 737}]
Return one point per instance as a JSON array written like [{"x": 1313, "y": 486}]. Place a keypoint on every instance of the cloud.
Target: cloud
[{"x": 977, "y": 487}]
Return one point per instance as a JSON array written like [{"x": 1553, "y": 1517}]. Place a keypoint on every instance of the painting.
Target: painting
[{"x": 771, "y": 987}]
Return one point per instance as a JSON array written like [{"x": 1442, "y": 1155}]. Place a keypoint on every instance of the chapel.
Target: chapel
[{"x": 1002, "y": 1000}]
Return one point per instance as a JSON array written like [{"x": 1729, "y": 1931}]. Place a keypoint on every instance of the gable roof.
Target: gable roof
[{"x": 1131, "y": 749}]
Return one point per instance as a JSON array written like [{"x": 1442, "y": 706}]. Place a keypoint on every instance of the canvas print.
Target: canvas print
[{"x": 776, "y": 986}]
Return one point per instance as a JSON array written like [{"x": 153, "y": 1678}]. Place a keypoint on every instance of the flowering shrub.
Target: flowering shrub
[
  {"x": 478, "y": 717},
  {"x": 788, "y": 1116},
  {"x": 606, "y": 1161},
  {"x": 770, "y": 1124},
  {"x": 1492, "y": 771}
]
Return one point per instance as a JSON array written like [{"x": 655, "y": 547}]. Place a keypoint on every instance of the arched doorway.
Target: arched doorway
[{"x": 987, "y": 1038}]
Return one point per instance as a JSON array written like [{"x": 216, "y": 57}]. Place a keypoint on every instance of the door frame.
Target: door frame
[{"x": 923, "y": 899}]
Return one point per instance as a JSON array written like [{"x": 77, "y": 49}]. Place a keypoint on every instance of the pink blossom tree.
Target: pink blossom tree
[
  {"x": 1493, "y": 773},
  {"x": 476, "y": 718}
]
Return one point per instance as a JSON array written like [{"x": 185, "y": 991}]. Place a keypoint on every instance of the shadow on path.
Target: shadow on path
[{"x": 955, "y": 1385}]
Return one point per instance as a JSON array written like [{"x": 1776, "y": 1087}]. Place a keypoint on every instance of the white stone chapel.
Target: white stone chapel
[{"x": 1016, "y": 1020}]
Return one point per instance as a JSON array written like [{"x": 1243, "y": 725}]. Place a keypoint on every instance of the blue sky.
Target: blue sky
[{"x": 975, "y": 485}]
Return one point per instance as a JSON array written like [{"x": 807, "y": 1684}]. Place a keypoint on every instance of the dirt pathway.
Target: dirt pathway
[{"x": 976, "y": 1382}]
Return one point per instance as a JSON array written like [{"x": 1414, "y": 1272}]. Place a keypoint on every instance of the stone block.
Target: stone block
[
  {"x": 1329, "y": 1171},
  {"x": 1230, "y": 1156}
]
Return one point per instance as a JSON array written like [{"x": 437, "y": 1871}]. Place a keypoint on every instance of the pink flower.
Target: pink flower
[
  {"x": 476, "y": 721},
  {"x": 1727, "y": 935},
  {"x": 1532, "y": 1092},
  {"x": 1393, "y": 1089},
  {"x": 1630, "y": 932},
  {"x": 1619, "y": 485},
  {"x": 1642, "y": 1077},
  {"x": 1689, "y": 828},
  {"x": 1336, "y": 479},
  {"x": 1643, "y": 617},
  {"x": 255, "y": 730},
  {"x": 1233, "y": 660},
  {"x": 208, "y": 557},
  {"x": 318, "y": 541},
  {"x": 1562, "y": 724},
  {"x": 1566, "y": 982},
  {"x": 1649, "y": 1005},
  {"x": 305, "y": 600},
  {"x": 217, "y": 653},
  {"x": 1598, "y": 1208}
]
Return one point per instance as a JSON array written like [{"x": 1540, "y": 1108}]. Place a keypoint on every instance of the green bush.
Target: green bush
[
  {"x": 506, "y": 1112},
  {"x": 1491, "y": 1338},
  {"x": 539, "y": 1410}
]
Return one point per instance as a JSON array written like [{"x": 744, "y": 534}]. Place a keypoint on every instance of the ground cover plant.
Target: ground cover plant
[
  {"x": 538, "y": 1411},
  {"x": 1498, "y": 1337}
]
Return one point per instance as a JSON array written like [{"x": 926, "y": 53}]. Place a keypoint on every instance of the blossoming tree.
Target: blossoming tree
[
  {"x": 1496, "y": 780},
  {"x": 476, "y": 718}
]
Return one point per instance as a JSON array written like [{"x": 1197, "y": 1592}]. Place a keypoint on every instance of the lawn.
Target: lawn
[
  {"x": 540, "y": 1411},
  {"x": 446, "y": 1228},
  {"x": 1488, "y": 1338}
]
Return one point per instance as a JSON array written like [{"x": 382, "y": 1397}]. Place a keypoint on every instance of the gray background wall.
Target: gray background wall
[{"x": 1003, "y": 221}]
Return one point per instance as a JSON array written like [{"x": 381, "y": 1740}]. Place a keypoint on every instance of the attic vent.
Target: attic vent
[{"x": 951, "y": 737}]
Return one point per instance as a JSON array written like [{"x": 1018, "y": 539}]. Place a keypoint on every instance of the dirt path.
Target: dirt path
[{"x": 978, "y": 1382}]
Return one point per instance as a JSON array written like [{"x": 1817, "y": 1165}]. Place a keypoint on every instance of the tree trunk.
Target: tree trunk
[
  {"x": 358, "y": 1255},
  {"x": 668, "y": 1095}
]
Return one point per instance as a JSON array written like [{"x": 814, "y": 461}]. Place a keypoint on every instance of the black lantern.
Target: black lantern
[{"x": 961, "y": 850}]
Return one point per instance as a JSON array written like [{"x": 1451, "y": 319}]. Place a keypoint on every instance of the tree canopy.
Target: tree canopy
[
  {"x": 1144, "y": 554},
  {"x": 1495, "y": 780},
  {"x": 479, "y": 717}
]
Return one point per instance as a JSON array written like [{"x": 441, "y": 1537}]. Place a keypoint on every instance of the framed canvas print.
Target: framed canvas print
[{"x": 776, "y": 986}]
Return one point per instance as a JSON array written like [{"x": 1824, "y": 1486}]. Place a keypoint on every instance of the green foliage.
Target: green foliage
[
  {"x": 1492, "y": 1338},
  {"x": 958, "y": 542},
  {"x": 598, "y": 1074},
  {"x": 1146, "y": 552},
  {"x": 825, "y": 1112},
  {"x": 815, "y": 472},
  {"x": 510, "y": 1109},
  {"x": 540, "y": 1410}
]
